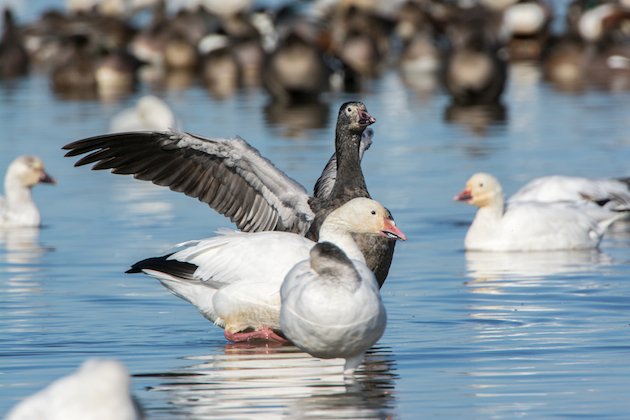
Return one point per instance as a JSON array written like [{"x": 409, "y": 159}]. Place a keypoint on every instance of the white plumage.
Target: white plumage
[
  {"x": 234, "y": 279},
  {"x": 612, "y": 193},
  {"x": 530, "y": 226},
  {"x": 17, "y": 208},
  {"x": 331, "y": 306},
  {"x": 99, "y": 390}
]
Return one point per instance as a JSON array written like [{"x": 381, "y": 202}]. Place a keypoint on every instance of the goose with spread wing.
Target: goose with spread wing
[{"x": 233, "y": 178}]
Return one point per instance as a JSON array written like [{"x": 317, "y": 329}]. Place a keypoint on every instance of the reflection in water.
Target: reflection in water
[
  {"x": 20, "y": 253},
  {"x": 141, "y": 204},
  {"x": 20, "y": 246},
  {"x": 484, "y": 266},
  {"x": 297, "y": 118},
  {"x": 533, "y": 312},
  {"x": 277, "y": 381},
  {"x": 477, "y": 118}
]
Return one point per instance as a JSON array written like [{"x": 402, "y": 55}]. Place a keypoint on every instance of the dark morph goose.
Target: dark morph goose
[{"x": 233, "y": 178}]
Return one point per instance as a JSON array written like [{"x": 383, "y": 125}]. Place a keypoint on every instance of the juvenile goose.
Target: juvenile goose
[
  {"x": 234, "y": 279},
  {"x": 331, "y": 306},
  {"x": 530, "y": 226},
  {"x": 17, "y": 208},
  {"x": 99, "y": 389},
  {"x": 235, "y": 180}
]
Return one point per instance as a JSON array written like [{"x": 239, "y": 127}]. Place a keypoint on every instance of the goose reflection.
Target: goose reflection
[
  {"x": 483, "y": 267},
  {"x": 280, "y": 381},
  {"x": 297, "y": 118},
  {"x": 20, "y": 247},
  {"x": 478, "y": 119}
]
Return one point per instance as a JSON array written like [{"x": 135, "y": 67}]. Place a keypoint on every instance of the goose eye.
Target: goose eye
[
  {"x": 481, "y": 184},
  {"x": 348, "y": 109},
  {"x": 373, "y": 211}
]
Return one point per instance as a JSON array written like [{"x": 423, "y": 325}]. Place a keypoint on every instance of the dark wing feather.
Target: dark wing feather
[{"x": 228, "y": 174}]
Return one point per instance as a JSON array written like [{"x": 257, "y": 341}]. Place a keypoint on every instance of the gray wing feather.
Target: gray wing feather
[{"x": 228, "y": 174}]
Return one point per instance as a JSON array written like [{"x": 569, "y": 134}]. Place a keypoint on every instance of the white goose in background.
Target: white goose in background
[
  {"x": 150, "y": 113},
  {"x": 530, "y": 226},
  {"x": 17, "y": 208},
  {"x": 613, "y": 194},
  {"x": 100, "y": 389},
  {"x": 331, "y": 306},
  {"x": 234, "y": 279}
]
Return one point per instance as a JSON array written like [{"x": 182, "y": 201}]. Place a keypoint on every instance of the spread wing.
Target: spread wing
[{"x": 228, "y": 174}]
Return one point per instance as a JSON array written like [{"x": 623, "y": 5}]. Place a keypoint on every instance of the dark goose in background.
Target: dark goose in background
[{"x": 233, "y": 178}]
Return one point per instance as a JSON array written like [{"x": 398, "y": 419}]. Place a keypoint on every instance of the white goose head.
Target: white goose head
[
  {"x": 363, "y": 215},
  {"x": 482, "y": 190}
]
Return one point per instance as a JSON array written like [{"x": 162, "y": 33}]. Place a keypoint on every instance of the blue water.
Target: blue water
[{"x": 474, "y": 335}]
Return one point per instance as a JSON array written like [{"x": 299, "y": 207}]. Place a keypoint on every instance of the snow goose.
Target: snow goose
[
  {"x": 150, "y": 113},
  {"x": 331, "y": 306},
  {"x": 17, "y": 208},
  {"x": 235, "y": 180},
  {"x": 99, "y": 389},
  {"x": 610, "y": 193},
  {"x": 530, "y": 226},
  {"x": 234, "y": 279}
]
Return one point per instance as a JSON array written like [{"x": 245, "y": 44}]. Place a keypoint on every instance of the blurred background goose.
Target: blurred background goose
[
  {"x": 14, "y": 59},
  {"x": 99, "y": 389},
  {"x": 234, "y": 279},
  {"x": 331, "y": 306},
  {"x": 150, "y": 113},
  {"x": 17, "y": 208},
  {"x": 530, "y": 226}
]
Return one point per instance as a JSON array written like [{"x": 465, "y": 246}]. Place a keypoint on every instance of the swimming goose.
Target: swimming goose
[
  {"x": 17, "y": 208},
  {"x": 610, "y": 193},
  {"x": 235, "y": 180},
  {"x": 530, "y": 226},
  {"x": 331, "y": 306},
  {"x": 99, "y": 389},
  {"x": 234, "y": 279}
]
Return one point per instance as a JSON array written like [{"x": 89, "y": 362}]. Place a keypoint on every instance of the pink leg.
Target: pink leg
[{"x": 264, "y": 333}]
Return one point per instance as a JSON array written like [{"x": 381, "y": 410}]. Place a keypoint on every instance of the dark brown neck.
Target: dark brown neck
[{"x": 349, "y": 173}]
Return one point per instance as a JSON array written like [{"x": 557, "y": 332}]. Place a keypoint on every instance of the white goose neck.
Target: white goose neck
[
  {"x": 339, "y": 235},
  {"x": 16, "y": 194}
]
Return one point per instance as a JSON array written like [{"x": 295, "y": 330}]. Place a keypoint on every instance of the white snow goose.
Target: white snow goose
[
  {"x": 234, "y": 279},
  {"x": 235, "y": 180},
  {"x": 607, "y": 192},
  {"x": 17, "y": 208},
  {"x": 99, "y": 389},
  {"x": 331, "y": 306},
  {"x": 530, "y": 226}
]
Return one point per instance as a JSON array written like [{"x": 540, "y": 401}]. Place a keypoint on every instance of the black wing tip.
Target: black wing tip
[{"x": 162, "y": 264}]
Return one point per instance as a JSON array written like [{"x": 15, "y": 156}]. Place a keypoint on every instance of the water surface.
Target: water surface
[{"x": 469, "y": 334}]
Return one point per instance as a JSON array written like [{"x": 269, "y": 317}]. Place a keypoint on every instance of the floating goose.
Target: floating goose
[
  {"x": 99, "y": 389},
  {"x": 530, "y": 226},
  {"x": 17, "y": 208},
  {"x": 331, "y": 306},
  {"x": 234, "y": 279},
  {"x": 235, "y": 180}
]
